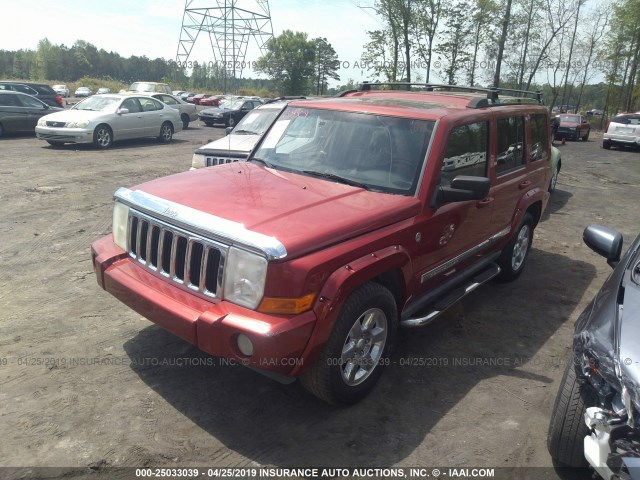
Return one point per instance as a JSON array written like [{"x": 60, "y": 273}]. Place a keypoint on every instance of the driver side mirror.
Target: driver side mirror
[
  {"x": 462, "y": 188},
  {"x": 122, "y": 111},
  {"x": 604, "y": 241}
]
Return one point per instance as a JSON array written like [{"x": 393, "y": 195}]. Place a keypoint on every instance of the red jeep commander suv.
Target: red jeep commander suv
[{"x": 352, "y": 217}]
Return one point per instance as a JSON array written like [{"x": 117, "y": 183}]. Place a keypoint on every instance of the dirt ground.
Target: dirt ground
[{"x": 86, "y": 382}]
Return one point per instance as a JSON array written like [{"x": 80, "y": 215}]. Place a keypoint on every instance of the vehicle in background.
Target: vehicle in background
[
  {"x": 622, "y": 131},
  {"x": 573, "y": 127},
  {"x": 83, "y": 92},
  {"x": 188, "y": 112},
  {"x": 41, "y": 91},
  {"x": 229, "y": 112},
  {"x": 103, "y": 91},
  {"x": 197, "y": 98},
  {"x": 147, "y": 87},
  {"x": 20, "y": 112},
  {"x": 186, "y": 95},
  {"x": 594, "y": 112},
  {"x": 240, "y": 140},
  {"x": 212, "y": 101},
  {"x": 61, "y": 90},
  {"x": 103, "y": 119},
  {"x": 596, "y": 415},
  {"x": 177, "y": 93}
]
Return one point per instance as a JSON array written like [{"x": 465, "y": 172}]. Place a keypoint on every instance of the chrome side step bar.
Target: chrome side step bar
[{"x": 452, "y": 297}]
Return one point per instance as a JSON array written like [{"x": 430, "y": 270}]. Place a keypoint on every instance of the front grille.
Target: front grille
[
  {"x": 213, "y": 161},
  {"x": 56, "y": 124},
  {"x": 188, "y": 260}
]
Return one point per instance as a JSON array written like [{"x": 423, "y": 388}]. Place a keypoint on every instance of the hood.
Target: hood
[
  {"x": 609, "y": 328},
  {"x": 302, "y": 213},
  {"x": 235, "y": 143},
  {"x": 74, "y": 115}
]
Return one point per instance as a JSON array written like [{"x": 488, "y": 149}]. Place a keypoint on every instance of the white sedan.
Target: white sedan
[
  {"x": 188, "y": 112},
  {"x": 103, "y": 119}
]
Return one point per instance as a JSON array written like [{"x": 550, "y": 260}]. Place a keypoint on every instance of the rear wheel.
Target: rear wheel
[
  {"x": 358, "y": 349},
  {"x": 102, "y": 136},
  {"x": 166, "y": 132},
  {"x": 567, "y": 429},
  {"x": 514, "y": 255},
  {"x": 185, "y": 121},
  {"x": 554, "y": 179},
  {"x": 606, "y": 144}
]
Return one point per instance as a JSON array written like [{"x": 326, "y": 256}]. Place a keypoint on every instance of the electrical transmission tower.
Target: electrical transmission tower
[{"x": 230, "y": 25}]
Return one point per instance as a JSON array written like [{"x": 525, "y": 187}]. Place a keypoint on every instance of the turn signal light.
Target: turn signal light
[{"x": 286, "y": 306}]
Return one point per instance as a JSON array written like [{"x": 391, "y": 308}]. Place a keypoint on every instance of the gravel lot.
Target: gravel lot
[{"x": 86, "y": 382}]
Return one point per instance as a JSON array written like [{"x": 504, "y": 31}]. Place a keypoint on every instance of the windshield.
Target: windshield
[
  {"x": 231, "y": 104},
  {"x": 257, "y": 121},
  {"x": 381, "y": 153},
  {"x": 98, "y": 104},
  {"x": 570, "y": 118},
  {"x": 142, "y": 87}
]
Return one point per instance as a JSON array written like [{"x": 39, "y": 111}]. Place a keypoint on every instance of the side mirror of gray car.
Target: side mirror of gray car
[
  {"x": 122, "y": 111},
  {"x": 604, "y": 241}
]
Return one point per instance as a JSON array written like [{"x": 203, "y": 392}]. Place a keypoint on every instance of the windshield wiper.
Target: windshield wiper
[
  {"x": 337, "y": 178},
  {"x": 262, "y": 161},
  {"x": 245, "y": 132}
]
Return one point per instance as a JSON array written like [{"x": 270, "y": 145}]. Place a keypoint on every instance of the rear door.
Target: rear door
[
  {"x": 12, "y": 115},
  {"x": 33, "y": 109}
]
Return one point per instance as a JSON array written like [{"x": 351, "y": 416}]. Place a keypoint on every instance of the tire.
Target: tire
[
  {"x": 576, "y": 136},
  {"x": 586, "y": 137},
  {"x": 231, "y": 122},
  {"x": 166, "y": 133},
  {"x": 54, "y": 143},
  {"x": 185, "y": 121},
  {"x": 554, "y": 180},
  {"x": 606, "y": 144},
  {"x": 567, "y": 429},
  {"x": 335, "y": 377},
  {"x": 208, "y": 124},
  {"x": 1, "y": 130},
  {"x": 103, "y": 136},
  {"x": 515, "y": 253}
]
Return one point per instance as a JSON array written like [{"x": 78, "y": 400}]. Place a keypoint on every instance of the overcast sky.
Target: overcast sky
[{"x": 152, "y": 27}]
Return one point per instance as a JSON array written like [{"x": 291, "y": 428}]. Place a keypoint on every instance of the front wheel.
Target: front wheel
[
  {"x": 231, "y": 122},
  {"x": 166, "y": 132},
  {"x": 102, "y": 137},
  {"x": 514, "y": 255},
  {"x": 358, "y": 349},
  {"x": 567, "y": 428},
  {"x": 586, "y": 136},
  {"x": 554, "y": 180},
  {"x": 185, "y": 121}
]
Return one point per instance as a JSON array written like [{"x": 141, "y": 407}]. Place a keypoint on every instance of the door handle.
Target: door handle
[
  {"x": 483, "y": 203},
  {"x": 524, "y": 184}
]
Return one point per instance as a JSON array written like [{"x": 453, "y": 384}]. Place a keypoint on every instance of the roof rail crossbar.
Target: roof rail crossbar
[{"x": 493, "y": 93}]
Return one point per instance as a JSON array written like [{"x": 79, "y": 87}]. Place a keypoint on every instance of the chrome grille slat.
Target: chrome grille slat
[{"x": 188, "y": 260}]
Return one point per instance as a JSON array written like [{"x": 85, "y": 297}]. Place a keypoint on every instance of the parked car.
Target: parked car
[
  {"x": 103, "y": 119},
  {"x": 573, "y": 127},
  {"x": 596, "y": 415},
  {"x": 594, "y": 112},
  {"x": 197, "y": 98},
  {"x": 20, "y": 112},
  {"x": 41, "y": 91},
  {"x": 149, "y": 87},
  {"x": 211, "y": 101},
  {"x": 556, "y": 166},
  {"x": 622, "y": 131},
  {"x": 186, "y": 95},
  {"x": 61, "y": 90},
  {"x": 341, "y": 226},
  {"x": 83, "y": 92},
  {"x": 177, "y": 93},
  {"x": 188, "y": 112},
  {"x": 103, "y": 91},
  {"x": 239, "y": 141},
  {"x": 228, "y": 113}
]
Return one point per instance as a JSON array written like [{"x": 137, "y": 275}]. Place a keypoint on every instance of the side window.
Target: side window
[
  {"x": 8, "y": 100},
  {"x": 510, "y": 144},
  {"x": 150, "y": 104},
  {"x": 539, "y": 137},
  {"x": 466, "y": 152},
  {"x": 25, "y": 89},
  {"x": 29, "y": 102},
  {"x": 131, "y": 104},
  {"x": 168, "y": 100}
]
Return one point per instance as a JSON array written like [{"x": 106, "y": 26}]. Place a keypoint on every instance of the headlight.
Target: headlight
[
  {"x": 198, "y": 161},
  {"x": 244, "y": 278},
  {"x": 42, "y": 123},
  {"x": 81, "y": 124},
  {"x": 120, "y": 221}
]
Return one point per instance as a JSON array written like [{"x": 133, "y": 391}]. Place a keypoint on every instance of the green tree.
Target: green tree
[
  {"x": 289, "y": 62},
  {"x": 326, "y": 65}
]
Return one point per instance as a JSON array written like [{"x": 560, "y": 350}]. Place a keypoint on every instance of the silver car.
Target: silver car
[
  {"x": 622, "y": 131},
  {"x": 188, "y": 112},
  {"x": 103, "y": 119}
]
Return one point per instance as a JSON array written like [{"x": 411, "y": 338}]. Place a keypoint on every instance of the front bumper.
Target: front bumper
[
  {"x": 214, "y": 327},
  {"x": 68, "y": 135}
]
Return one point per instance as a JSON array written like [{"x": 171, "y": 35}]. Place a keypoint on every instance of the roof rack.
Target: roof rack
[{"x": 492, "y": 98}]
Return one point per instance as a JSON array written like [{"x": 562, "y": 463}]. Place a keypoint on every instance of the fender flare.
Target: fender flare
[{"x": 339, "y": 286}]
